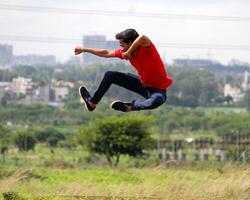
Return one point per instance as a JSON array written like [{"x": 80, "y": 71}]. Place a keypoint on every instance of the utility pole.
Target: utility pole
[
  {"x": 25, "y": 148},
  {"x": 238, "y": 144}
]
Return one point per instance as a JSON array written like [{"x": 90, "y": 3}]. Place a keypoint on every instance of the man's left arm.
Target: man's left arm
[{"x": 141, "y": 40}]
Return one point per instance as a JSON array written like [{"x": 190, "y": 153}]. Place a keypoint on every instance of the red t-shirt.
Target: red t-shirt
[{"x": 149, "y": 66}]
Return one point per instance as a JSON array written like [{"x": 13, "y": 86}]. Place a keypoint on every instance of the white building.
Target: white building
[
  {"x": 246, "y": 82},
  {"x": 61, "y": 93},
  {"x": 3, "y": 87},
  {"x": 39, "y": 95},
  {"x": 21, "y": 85},
  {"x": 234, "y": 92}
]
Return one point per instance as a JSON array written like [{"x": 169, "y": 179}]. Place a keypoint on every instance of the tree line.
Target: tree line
[
  {"x": 192, "y": 87},
  {"x": 116, "y": 135}
]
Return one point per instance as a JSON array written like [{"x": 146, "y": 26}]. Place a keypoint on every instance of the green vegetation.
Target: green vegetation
[
  {"x": 114, "y": 137},
  {"x": 199, "y": 182},
  {"x": 247, "y": 100},
  {"x": 59, "y": 152}
]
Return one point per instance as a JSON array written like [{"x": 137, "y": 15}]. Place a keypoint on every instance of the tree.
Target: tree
[
  {"x": 228, "y": 99},
  {"x": 209, "y": 92},
  {"x": 247, "y": 100},
  {"x": 50, "y": 135},
  {"x": 25, "y": 141},
  {"x": 3, "y": 141},
  {"x": 193, "y": 87},
  {"x": 190, "y": 89},
  {"x": 40, "y": 74},
  {"x": 114, "y": 137}
]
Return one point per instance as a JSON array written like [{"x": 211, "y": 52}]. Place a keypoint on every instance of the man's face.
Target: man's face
[{"x": 124, "y": 46}]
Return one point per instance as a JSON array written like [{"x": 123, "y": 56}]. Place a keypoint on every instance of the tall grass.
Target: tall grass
[{"x": 229, "y": 182}]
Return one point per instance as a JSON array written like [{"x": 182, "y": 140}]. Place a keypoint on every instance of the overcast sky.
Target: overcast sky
[{"x": 161, "y": 30}]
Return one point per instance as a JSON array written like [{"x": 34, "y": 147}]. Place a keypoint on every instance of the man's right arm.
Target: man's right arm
[{"x": 98, "y": 52}]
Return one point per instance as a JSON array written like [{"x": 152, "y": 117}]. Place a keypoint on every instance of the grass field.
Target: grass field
[
  {"x": 59, "y": 175},
  {"x": 200, "y": 182},
  {"x": 224, "y": 110}
]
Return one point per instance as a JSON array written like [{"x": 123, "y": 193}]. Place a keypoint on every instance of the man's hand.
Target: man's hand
[{"x": 78, "y": 50}]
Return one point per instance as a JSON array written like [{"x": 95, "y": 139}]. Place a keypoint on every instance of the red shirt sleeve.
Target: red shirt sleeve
[{"x": 118, "y": 53}]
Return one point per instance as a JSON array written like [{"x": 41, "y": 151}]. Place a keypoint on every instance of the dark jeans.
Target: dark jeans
[{"x": 154, "y": 97}]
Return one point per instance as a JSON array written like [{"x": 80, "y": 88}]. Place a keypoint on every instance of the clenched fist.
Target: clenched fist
[{"x": 78, "y": 50}]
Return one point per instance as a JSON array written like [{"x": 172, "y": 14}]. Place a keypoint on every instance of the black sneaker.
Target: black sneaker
[
  {"x": 119, "y": 105},
  {"x": 84, "y": 93}
]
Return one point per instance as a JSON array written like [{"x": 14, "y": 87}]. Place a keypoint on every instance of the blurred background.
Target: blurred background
[{"x": 195, "y": 142}]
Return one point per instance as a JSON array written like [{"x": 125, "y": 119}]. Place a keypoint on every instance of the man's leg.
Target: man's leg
[
  {"x": 156, "y": 98},
  {"x": 128, "y": 81},
  {"x": 86, "y": 97}
]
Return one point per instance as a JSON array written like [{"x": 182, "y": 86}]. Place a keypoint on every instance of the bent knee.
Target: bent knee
[
  {"x": 158, "y": 100},
  {"x": 109, "y": 74}
]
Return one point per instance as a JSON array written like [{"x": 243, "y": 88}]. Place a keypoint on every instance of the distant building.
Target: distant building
[
  {"x": 73, "y": 60},
  {"x": 34, "y": 60},
  {"x": 3, "y": 88},
  {"x": 23, "y": 90},
  {"x": 1, "y": 92},
  {"x": 20, "y": 85},
  {"x": 93, "y": 41},
  {"x": 98, "y": 41},
  {"x": 61, "y": 93},
  {"x": 238, "y": 63},
  {"x": 30, "y": 97},
  {"x": 62, "y": 83},
  {"x": 60, "y": 90},
  {"x": 111, "y": 44},
  {"x": 6, "y": 91},
  {"x": 234, "y": 92},
  {"x": 38, "y": 94},
  {"x": 6, "y": 55},
  {"x": 44, "y": 93},
  {"x": 193, "y": 62},
  {"x": 246, "y": 82}
]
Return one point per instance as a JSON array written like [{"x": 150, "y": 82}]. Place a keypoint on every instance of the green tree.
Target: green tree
[
  {"x": 247, "y": 100},
  {"x": 193, "y": 87},
  {"x": 3, "y": 141},
  {"x": 114, "y": 137},
  {"x": 39, "y": 74},
  {"x": 209, "y": 92},
  {"x": 49, "y": 135},
  {"x": 190, "y": 90},
  {"x": 25, "y": 140}
]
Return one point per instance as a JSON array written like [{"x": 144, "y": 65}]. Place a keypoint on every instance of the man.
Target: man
[{"x": 151, "y": 83}]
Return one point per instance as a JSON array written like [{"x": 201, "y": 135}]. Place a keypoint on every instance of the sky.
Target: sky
[{"x": 169, "y": 24}]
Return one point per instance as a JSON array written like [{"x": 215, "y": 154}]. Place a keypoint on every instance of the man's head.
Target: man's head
[{"x": 126, "y": 38}]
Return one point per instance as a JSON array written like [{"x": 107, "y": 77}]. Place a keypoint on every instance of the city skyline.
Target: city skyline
[{"x": 217, "y": 30}]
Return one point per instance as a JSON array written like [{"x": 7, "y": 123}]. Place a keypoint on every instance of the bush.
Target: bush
[
  {"x": 11, "y": 196},
  {"x": 114, "y": 137},
  {"x": 25, "y": 141}
]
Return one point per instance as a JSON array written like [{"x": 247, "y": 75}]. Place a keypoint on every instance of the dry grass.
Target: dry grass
[{"x": 227, "y": 183}]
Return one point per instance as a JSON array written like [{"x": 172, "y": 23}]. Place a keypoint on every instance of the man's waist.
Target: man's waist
[{"x": 160, "y": 83}]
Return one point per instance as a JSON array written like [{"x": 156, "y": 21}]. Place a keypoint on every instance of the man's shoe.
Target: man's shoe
[
  {"x": 119, "y": 105},
  {"x": 84, "y": 93}
]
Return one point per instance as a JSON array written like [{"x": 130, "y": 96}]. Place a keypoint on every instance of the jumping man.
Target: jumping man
[{"x": 151, "y": 82}]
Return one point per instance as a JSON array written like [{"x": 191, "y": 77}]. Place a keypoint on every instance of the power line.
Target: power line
[
  {"x": 38, "y": 39},
  {"x": 206, "y": 46},
  {"x": 74, "y": 41},
  {"x": 120, "y": 13}
]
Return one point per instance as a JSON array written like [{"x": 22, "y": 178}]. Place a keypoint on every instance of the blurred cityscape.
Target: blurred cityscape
[{"x": 57, "y": 91}]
